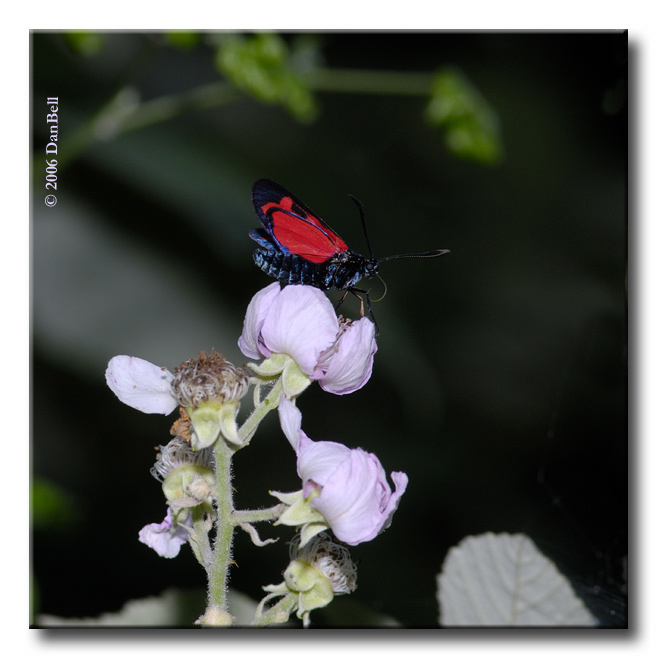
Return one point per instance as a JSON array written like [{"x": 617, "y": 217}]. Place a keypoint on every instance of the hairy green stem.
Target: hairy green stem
[
  {"x": 253, "y": 516},
  {"x": 219, "y": 569},
  {"x": 269, "y": 403}
]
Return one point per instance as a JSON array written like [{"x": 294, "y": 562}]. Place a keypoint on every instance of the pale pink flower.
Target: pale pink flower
[
  {"x": 352, "y": 492},
  {"x": 300, "y": 321},
  {"x": 166, "y": 538}
]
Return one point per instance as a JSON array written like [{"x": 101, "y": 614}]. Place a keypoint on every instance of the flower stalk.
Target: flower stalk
[
  {"x": 260, "y": 411},
  {"x": 218, "y": 571}
]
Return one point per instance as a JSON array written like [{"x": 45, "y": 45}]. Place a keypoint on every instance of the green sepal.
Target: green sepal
[
  {"x": 299, "y": 510},
  {"x": 293, "y": 379},
  {"x": 314, "y": 588},
  {"x": 211, "y": 419}
]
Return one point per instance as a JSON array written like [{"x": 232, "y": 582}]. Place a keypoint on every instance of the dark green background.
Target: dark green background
[{"x": 500, "y": 385}]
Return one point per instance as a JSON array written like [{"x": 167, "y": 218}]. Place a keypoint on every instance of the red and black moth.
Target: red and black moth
[{"x": 296, "y": 247}]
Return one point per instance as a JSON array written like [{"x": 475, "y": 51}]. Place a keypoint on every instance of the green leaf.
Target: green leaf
[
  {"x": 50, "y": 506},
  {"x": 262, "y": 66},
  {"x": 471, "y": 126}
]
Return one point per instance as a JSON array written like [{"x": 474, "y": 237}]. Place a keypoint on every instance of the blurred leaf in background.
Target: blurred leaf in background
[
  {"x": 472, "y": 129},
  {"x": 84, "y": 42},
  {"x": 51, "y": 507},
  {"x": 261, "y": 65}
]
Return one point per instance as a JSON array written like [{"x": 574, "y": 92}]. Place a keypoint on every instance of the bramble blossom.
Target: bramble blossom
[
  {"x": 346, "y": 487},
  {"x": 300, "y": 322}
]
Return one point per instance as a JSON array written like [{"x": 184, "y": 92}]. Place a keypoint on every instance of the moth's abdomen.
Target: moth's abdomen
[{"x": 338, "y": 273}]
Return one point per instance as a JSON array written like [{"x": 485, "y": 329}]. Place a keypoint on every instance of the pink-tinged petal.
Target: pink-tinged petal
[
  {"x": 291, "y": 421},
  {"x": 350, "y": 500},
  {"x": 141, "y": 385},
  {"x": 349, "y": 366},
  {"x": 300, "y": 323},
  {"x": 400, "y": 480},
  {"x": 164, "y": 538},
  {"x": 319, "y": 461},
  {"x": 250, "y": 342}
]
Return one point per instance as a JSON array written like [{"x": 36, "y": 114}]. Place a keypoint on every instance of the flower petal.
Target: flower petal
[
  {"x": 319, "y": 461},
  {"x": 250, "y": 341},
  {"x": 301, "y": 323},
  {"x": 400, "y": 480},
  {"x": 160, "y": 537},
  {"x": 291, "y": 421},
  {"x": 349, "y": 367},
  {"x": 141, "y": 385}
]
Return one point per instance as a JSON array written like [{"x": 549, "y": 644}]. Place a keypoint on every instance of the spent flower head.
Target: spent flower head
[
  {"x": 317, "y": 572},
  {"x": 210, "y": 389},
  {"x": 176, "y": 454},
  {"x": 187, "y": 475},
  {"x": 331, "y": 559},
  {"x": 208, "y": 379}
]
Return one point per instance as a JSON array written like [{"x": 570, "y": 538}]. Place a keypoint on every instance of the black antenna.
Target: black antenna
[
  {"x": 363, "y": 221},
  {"x": 416, "y": 255},
  {"x": 356, "y": 291}
]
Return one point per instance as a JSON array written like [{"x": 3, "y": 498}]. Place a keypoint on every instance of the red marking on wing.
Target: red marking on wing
[{"x": 301, "y": 233}]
